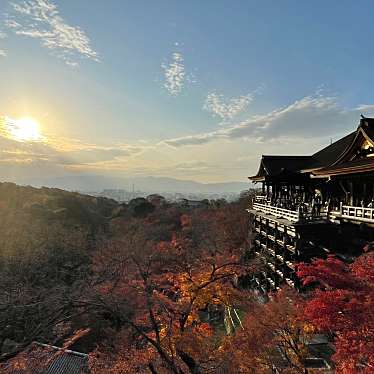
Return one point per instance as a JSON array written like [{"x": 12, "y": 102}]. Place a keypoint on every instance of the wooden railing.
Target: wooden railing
[
  {"x": 291, "y": 215},
  {"x": 357, "y": 213},
  {"x": 261, "y": 204},
  {"x": 354, "y": 213},
  {"x": 260, "y": 199}
]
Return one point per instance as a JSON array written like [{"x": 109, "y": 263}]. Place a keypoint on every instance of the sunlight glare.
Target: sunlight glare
[{"x": 23, "y": 129}]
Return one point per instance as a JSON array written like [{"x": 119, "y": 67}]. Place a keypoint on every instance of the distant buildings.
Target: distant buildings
[
  {"x": 193, "y": 203},
  {"x": 312, "y": 206},
  {"x": 122, "y": 195}
]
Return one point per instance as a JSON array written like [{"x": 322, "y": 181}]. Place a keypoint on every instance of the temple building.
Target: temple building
[{"x": 312, "y": 206}]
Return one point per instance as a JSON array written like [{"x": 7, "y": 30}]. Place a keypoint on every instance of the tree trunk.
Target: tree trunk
[{"x": 190, "y": 362}]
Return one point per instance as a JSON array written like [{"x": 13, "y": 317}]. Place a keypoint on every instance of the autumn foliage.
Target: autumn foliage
[
  {"x": 152, "y": 289},
  {"x": 343, "y": 306},
  {"x": 162, "y": 294},
  {"x": 163, "y": 290}
]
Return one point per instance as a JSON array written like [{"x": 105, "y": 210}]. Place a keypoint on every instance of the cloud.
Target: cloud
[
  {"x": 226, "y": 109},
  {"x": 197, "y": 139},
  {"x": 2, "y": 51},
  {"x": 34, "y": 152},
  {"x": 65, "y": 153},
  {"x": 190, "y": 168},
  {"x": 193, "y": 166},
  {"x": 93, "y": 155},
  {"x": 40, "y": 19},
  {"x": 310, "y": 117},
  {"x": 174, "y": 74}
]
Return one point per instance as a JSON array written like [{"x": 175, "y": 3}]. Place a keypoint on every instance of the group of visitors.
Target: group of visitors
[
  {"x": 313, "y": 206},
  {"x": 297, "y": 203}
]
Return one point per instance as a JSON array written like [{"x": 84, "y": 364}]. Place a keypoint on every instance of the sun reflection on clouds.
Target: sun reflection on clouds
[
  {"x": 23, "y": 143},
  {"x": 22, "y": 130}
]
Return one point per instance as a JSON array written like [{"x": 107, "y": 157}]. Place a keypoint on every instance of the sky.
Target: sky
[{"x": 194, "y": 90}]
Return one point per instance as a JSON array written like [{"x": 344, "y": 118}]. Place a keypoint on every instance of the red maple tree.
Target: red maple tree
[{"x": 343, "y": 306}]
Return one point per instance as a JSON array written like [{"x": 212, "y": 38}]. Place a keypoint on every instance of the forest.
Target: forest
[{"x": 154, "y": 287}]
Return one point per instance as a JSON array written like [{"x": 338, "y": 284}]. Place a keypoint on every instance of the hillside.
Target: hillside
[
  {"x": 147, "y": 184},
  {"x": 34, "y": 218},
  {"x": 60, "y": 249}
]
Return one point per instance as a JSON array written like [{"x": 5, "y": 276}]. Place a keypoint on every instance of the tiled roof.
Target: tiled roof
[
  {"x": 334, "y": 153},
  {"x": 274, "y": 165},
  {"x": 350, "y": 167},
  {"x": 46, "y": 359},
  {"x": 329, "y": 154}
]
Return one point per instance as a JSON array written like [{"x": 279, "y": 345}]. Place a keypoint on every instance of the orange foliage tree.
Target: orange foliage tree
[
  {"x": 272, "y": 336},
  {"x": 161, "y": 295}
]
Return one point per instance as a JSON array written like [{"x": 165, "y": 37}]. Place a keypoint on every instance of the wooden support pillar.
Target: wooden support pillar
[
  {"x": 267, "y": 233},
  {"x": 351, "y": 200}
]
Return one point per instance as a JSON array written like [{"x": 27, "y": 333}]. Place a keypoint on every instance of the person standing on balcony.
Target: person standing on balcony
[
  {"x": 300, "y": 211},
  {"x": 328, "y": 206},
  {"x": 316, "y": 204}
]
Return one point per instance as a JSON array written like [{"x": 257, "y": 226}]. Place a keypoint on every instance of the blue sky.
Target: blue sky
[{"x": 192, "y": 90}]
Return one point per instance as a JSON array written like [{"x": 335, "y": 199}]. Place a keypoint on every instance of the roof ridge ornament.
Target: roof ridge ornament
[{"x": 363, "y": 121}]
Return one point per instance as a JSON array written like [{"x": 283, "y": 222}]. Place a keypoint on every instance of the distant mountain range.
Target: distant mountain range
[{"x": 90, "y": 183}]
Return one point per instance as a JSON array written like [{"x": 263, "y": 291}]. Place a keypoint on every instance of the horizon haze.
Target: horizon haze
[{"x": 97, "y": 183}]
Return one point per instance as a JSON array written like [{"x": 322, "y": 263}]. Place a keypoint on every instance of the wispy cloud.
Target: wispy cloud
[
  {"x": 97, "y": 155},
  {"x": 174, "y": 74},
  {"x": 2, "y": 51},
  {"x": 226, "y": 109},
  {"x": 310, "y": 117},
  {"x": 40, "y": 19},
  {"x": 190, "y": 168}
]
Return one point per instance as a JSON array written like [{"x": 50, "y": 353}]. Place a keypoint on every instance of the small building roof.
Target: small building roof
[{"x": 47, "y": 359}]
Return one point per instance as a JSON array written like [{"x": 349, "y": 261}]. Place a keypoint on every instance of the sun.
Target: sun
[{"x": 23, "y": 129}]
